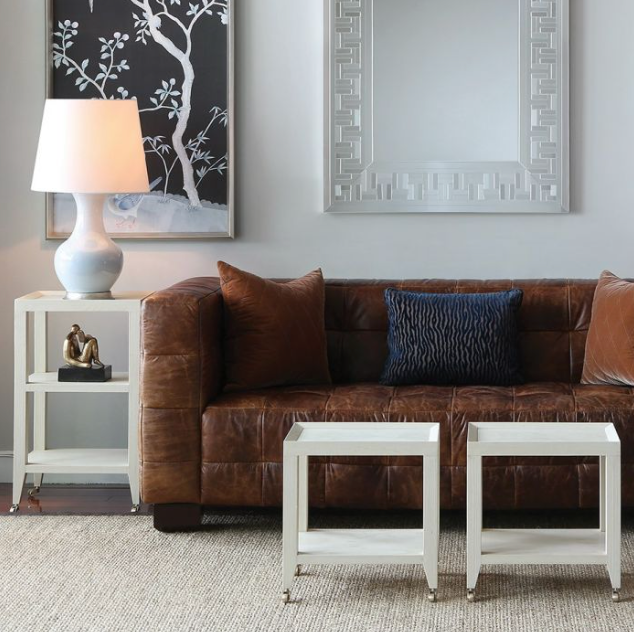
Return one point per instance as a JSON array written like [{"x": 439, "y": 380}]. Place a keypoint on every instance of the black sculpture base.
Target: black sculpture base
[{"x": 76, "y": 374}]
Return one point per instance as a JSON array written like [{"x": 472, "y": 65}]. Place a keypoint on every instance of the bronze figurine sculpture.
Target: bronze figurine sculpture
[
  {"x": 82, "y": 358},
  {"x": 81, "y": 354}
]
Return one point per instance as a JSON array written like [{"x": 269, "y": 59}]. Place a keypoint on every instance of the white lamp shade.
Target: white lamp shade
[{"x": 91, "y": 146}]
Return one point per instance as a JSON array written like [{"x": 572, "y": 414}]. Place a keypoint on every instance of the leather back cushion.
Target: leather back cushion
[
  {"x": 274, "y": 332},
  {"x": 553, "y": 324},
  {"x": 609, "y": 355}
]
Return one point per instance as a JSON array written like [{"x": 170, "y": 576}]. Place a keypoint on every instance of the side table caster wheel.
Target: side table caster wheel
[
  {"x": 616, "y": 595},
  {"x": 33, "y": 491},
  {"x": 432, "y": 595},
  {"x": 298, "y": 570},
  {"x": 14, "y": 508},
  {"x": 470, "y": 596},
  {"x": 135, "y": 509},
  {"x": 286, "y": 596}
]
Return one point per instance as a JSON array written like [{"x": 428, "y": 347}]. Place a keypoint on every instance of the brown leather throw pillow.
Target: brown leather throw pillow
[
  {"x": 275, "y": 333},
  {"x": 609, "y": 355}
]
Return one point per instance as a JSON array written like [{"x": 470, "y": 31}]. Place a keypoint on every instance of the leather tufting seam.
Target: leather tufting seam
[
  {"x": 201, "y": 406},
  {"x": 570, "y": 358},
  {"x": 171, "y": 355},
  {"x": 390, "y": 460},
  {"x": 327, "y": 405},
  {"x": 261, "y": 426},
  {"x": 574, "y": 402},
  {"x": 175, "y": 408},
  {"x": 324, "y": 470},
  {"x": 163, "y": 462},
  {"x": 452, "y": 419}
]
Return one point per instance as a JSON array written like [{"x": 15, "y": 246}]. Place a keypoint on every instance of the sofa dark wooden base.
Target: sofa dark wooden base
[
  {"x": 200, "y": 447},
  {"x": 171, "y": 517}
]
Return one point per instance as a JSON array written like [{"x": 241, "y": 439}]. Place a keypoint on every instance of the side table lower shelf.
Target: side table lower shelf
[
  {"x": 361, "y": 546},
  {"x": 77, "y": 461},
  {"x": 544, "y": 546}
]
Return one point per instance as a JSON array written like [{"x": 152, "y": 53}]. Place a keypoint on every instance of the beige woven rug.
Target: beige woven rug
[{"x": 115, "y": 573}]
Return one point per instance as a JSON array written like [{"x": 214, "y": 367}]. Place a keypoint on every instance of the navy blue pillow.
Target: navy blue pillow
[{"x": 452, "y": 338}]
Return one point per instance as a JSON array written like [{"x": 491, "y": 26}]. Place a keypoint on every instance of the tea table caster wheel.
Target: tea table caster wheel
[
  {"x": 298, "y": 570},
  {"x": 470, "y": 596},
  {"x": 135, "y": 509},
  {"x": 432, "y": 595},
  {"x": 14, "y": 508},
  {"x": 33, "y": 491},
  {"x": 616, "y": 596},
  {"x": 286, "y": 596}
]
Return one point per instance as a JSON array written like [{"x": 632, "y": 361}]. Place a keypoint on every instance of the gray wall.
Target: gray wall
[{"x": 281, "y": 230}]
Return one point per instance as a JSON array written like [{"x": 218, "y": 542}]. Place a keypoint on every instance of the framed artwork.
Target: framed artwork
[{"x": 175, "y": 57}]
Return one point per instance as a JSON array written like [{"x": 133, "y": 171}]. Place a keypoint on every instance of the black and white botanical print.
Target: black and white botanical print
[{"x": 170, "y": 55}]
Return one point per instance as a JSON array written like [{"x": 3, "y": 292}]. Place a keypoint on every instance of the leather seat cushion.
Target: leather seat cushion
[
  {"x": 250, "y": 427},
  {"x": 243, "y": 434}
]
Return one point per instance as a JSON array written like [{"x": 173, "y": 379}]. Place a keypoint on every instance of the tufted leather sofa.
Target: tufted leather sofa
[{"x": 202, "y": 447}]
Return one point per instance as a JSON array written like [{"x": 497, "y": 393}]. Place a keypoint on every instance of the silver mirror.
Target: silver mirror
[{"x": 452, "y": 106}]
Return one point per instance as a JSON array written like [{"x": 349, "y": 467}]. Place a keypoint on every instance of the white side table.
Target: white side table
[
  {"x": 359, "y": 546},
  {"x": 545, "y": 546},
  {"x": 41, "y": 461}
]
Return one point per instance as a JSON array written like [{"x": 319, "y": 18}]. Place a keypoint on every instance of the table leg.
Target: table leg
[
  {"x": 613, "y": 519},
  {"x": 39, "y": 399},
  {"x": 290, "y": 523},
  {"x": 134, "y": 351},
  {"x": 20, "y": 434},
  {"x": 474, "y": 521},
  {"x": 19, "y": 448},
  {"x": 303, "y": 493},
  {"x": 431, "y": 521}
]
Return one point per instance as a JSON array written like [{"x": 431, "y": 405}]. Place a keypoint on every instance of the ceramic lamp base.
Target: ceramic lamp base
[{"x": 88, "y": 263}]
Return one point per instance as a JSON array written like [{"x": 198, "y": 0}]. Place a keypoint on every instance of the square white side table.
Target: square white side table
[
  {"x": 359, "y": 546},
  {"x": 41, "y": 461},
  {"x": 545, "y": 546}
]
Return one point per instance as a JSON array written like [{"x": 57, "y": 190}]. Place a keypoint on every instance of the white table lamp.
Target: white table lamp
[{"x": 92, "y": 149}]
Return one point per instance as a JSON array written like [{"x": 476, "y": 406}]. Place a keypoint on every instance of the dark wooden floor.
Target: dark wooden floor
[
  {"x": 72, "y": 500},
  {"x": 113, "y": 500}
]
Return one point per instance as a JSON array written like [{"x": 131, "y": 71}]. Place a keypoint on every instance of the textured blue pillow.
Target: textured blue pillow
[{"x": 452, "y": 338}]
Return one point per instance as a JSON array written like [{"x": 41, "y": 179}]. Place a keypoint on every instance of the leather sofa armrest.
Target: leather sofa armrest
[{"x": 181, "y": 372}]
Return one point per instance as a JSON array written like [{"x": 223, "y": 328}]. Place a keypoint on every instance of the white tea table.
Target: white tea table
[
  {"x": 545, "y": 546},
  {"x": 359, "y": 546}
]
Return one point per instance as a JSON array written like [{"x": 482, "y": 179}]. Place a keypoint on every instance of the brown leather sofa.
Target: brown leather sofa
[{"x": 200, "y": 447}]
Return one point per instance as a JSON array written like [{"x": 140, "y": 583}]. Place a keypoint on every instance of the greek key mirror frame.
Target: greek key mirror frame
[{"x": 538, "y": 182}]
